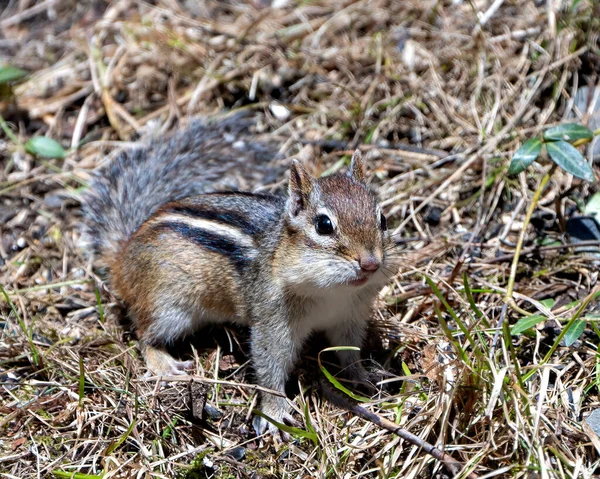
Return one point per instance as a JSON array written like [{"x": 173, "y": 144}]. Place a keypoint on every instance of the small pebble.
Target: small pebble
[
  {"x": 593, "y": 420},
  {"x": 433, "y": 216},
  {"x": 212, "y": 412},
  {"x": 237, "y": 453},
  {"x": 279, "y": 111}
]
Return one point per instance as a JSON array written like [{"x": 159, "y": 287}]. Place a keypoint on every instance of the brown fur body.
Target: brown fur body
[{"x": 313, "y": 261}]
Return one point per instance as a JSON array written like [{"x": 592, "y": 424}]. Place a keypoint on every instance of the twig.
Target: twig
[
  {"x": 25, "y": 14},
  {"x": 443, "y": 187},
  {"x": 344, "y": 145},
  {"x": 200, "y": 379},
  {"x": 412, "y": 239},
  {"x": 484, "y": 17},
  {"x": 346, "y": 403},
  {"x": 515, "y": 35},
  {"x": 536, "y": 249},
  {"x": 42, "y": 287}
]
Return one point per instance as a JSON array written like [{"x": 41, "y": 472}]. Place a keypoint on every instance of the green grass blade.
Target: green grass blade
[
  {"x": 81, "y": 381},
  {"x": 506, "y": 333},
  {"x": 45, "y": 147},
  {"x": 76, "y": 475},
  {"x": 471, "y": 301},
  {"x": 333, "y": 380},
  {"x": 459, "y": 349},
  {"x": 99, "y": 303},
  {"x": 113, "y": 446},
  {"x": 461, "y": 325},
  {"x": 294, "y": 431}
]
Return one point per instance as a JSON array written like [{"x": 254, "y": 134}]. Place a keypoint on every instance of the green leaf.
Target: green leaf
[
  {"x": 568, "y": 132},
  {"x": 525, "y": 156},
  {"x": 574, "y": 332},
  {"x": 9, "y": 73},
  {"x": 526, "y": 323},
  {"x": 592, "y": 207},
  {"x": 45, "y": 147},
  {"x": 548, "y": 302},
  {"x": 569, "y": 159}
]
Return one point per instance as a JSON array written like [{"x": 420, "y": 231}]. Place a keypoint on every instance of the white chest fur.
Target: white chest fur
[{"x": 340, "y": 305}]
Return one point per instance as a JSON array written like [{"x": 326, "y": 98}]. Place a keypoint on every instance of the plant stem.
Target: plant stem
[
  {"x": 583, "y": 141},
  {"x": 508, "y": 299}
]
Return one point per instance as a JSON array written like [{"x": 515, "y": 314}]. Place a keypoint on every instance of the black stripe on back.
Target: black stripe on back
[
  {"x": 230, "y": 218},
  {"x": 237, "y": 254},
  {"x": 264, "y": 196}
]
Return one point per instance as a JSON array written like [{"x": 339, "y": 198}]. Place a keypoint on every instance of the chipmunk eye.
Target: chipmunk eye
[
  {"x": 382, "y": 222},
  {"x": 323, "y": 225}
]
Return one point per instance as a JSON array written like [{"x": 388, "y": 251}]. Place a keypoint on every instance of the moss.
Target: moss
[
  {"x": 262, "y": 464},
  {"x": 256, "y": 463},
  {"x": 196, "y": 470}
]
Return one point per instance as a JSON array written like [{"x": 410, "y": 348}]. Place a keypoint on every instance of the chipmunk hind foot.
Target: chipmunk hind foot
[{"x": 160, "y": 363}]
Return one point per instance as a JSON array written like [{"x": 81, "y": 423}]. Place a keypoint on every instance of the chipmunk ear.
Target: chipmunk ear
[
  {"x": 299, "y": 189},
  {"x": 358, "y": 168}
]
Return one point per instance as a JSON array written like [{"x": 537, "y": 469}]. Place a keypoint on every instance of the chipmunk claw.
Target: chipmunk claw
[
  {"x": 161, "y": 363},
  {"x": 180, "y": 367},
  {"x": 264, "y": 427},
  {"x": 366, "y": 381}
]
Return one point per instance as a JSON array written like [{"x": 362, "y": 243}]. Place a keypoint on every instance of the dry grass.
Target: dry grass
[{"x": 383, "y": 74}]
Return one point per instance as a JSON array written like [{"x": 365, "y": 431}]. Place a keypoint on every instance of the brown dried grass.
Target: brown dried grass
[{"x": 378, "y": 73}]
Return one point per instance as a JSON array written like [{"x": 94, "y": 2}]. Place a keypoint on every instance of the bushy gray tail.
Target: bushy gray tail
[{"x": 206, "y": 156}]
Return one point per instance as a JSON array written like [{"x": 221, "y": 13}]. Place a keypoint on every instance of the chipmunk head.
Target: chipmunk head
[{"x": 335, "y": 228}]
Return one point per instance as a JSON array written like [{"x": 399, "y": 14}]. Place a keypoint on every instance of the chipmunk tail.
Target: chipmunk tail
[{"x": 207, "y": 156}]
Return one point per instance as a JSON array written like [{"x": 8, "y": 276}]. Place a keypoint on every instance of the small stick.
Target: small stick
[
  {"x": 25, "y": 14},
  {"x": 343, "y": 402},
  {"x": 190, "y": 379},
  {"x": 536, "y": 249},
  {"x": 412, "y": 239},
  {"x": 344, "y": 145}
]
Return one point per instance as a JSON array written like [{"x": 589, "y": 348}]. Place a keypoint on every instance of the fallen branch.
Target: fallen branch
[{"x": 453, "y": 466}]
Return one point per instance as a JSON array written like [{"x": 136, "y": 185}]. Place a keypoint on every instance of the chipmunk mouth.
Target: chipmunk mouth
[{"x": 359, "y": 281}]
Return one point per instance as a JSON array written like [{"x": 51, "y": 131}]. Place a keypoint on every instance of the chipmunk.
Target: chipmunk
[{"x": 184, "y": 249}]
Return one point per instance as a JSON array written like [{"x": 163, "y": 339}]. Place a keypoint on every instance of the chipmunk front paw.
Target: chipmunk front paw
[
  {"x": 278, "y": 411},
  {"x": 365, "y": 380}
]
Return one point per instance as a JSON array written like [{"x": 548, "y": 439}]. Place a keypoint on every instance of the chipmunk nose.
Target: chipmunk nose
[{"x": 369, "y": 262}]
